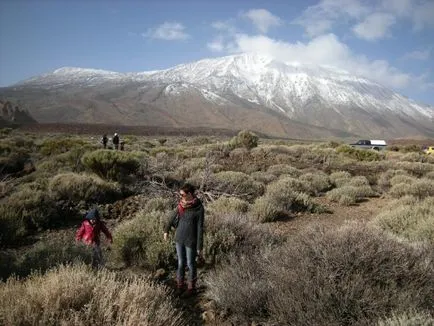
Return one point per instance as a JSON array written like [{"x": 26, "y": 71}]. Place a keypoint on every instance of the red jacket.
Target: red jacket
[{"x": 90, "y": 234}]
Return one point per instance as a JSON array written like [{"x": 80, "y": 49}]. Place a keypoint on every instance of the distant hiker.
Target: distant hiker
[
  {"x": 188, "y": 219},
  {"x": 104, "y": 140},
  {"x": 115, "y": 140},
  {"x": 89, "y": 233}
]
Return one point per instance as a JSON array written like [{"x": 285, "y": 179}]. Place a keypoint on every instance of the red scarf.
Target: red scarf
[{"x": 183, "y": 204}]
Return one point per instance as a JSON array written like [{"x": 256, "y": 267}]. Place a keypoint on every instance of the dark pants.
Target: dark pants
[{"x": 186, "y": 257}]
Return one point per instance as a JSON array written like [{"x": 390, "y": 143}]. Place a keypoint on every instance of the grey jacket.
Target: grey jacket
[{"x": 189, "y": 231}]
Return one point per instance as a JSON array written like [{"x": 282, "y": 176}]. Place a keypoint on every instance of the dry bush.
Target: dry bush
[
  {"x": 358, "y": 181},
  {"x": 263, "y": 177},
  {"x": 353, "y": 275},
  {"x": 411, "y": 218},
  {"x": 244, "y": 139},
  {"x": 237, "y": 183},
  {"x": 421, "y": 188},
  {"x": 48, "y": 253},
  {"x": 348, "y": 195},
  {"x": 316, "y": 182},
  {"x": 158, "y": 204},
  {"x": 402, "y": 178},
  {"x": 60, "y": 144},
  {"x": 360, "y": 154},
  {"x": 228, "y": 205},
  {"x": 281, "y": 199},
  {"x": 83, "y": 187},
  {"x": 407, "y": 318},
  {"x": 78, "y": 296},
  {"x": 385, "y": 177},
  {"x": 284, "y": 169},
  {"x": 228, "y": 234},
  {"x": 139, "y": 242},
  {"x": 339, "y": 178},
  {"x": 416, "y": 168},
  {"x": 430, "y": 175},
  {"x": 188, "y": 168}
]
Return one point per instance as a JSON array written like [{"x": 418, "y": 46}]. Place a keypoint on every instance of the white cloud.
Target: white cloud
[
  {"x": 324, "y": 50},
  {"x": 375, "y": 26},
  {"x": 217, "y": 45},
  {"x": 168, "y": 31},
  {"x": 320, "y": 18},
  {"x": 418, "y": 55},
  {"x": 262, "y": 19}
]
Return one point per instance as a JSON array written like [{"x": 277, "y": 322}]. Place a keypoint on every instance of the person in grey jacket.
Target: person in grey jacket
[{"x": 188, "y": 219}]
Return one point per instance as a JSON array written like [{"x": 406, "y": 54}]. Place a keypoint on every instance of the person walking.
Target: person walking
[
  {"x": 104, "y": 141},
  {"x": 116, "y": 140},
  {"x": 188, "y": 219},
  {"x": 89, "y": 233}
]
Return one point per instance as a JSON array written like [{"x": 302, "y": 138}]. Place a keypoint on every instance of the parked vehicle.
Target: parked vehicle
[{"x": 375, "y": 144}]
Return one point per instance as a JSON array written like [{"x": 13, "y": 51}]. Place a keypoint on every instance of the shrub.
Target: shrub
[
  {"x": 420, "y": 188},
  {"x": 347, "y": 195},
  {"x": 81, "y": 187},
  {"x": 59, "y": 145},
  {"x": 430, "y": 175},
  {"x": 409, "y": 318},
  {"x": 263, "y": 177},
  {"x": 359, "y": 154},
  {"x": 411, "y": 219},
  {"x": 315, "y": 183},
  {"x": 158, "y": 204},
  {"x": 244, "y": 139},
  {"x": 284, "y": 169},
  {"x": 233, "y": 234},
  {"x": 15, "y": 163},
  {"x": 358, "y": 181},
  {"x": 78, "y": 296},
  {"x": 339, "y": 178},
  {"x": 114, "y": 165},
  {"x": 235, "y": 183},
  {"x": 311, "y": 280},
  {"x": 402, "y": 178},
  {"x": 385, "y": 177},
  {"x": 416, "y": 168},
  {"x": 26, "y": 211},
  {"x": 227, "y": 205},
  {"x": 139, "y": 242},
  {"x": 49, "y": 253},
  {"x": 281, "y": 199}
]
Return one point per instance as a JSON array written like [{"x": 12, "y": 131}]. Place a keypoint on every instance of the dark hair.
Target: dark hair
[{"x": 188, "y": 188}]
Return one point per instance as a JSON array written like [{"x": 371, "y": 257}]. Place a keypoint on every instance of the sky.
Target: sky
[{"x": 388, "y": 41}]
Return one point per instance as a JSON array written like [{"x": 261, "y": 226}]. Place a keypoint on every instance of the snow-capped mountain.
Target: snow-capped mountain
[{"x": 229, "y": 91}]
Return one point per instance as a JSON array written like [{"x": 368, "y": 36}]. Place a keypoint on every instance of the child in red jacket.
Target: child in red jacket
[{"x": 89, "y": 233}]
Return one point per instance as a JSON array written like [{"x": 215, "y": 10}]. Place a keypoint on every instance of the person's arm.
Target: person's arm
[
  {"x": 106, "y": 232},
  {"x": 200, "y": 227},
  {"x": 170, "y": 222},
  {"x": 80, "y": 233}
]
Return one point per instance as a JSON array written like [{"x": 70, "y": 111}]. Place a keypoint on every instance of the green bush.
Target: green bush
[
  {"x": 359, "y": 154},
  {"x": 26, "y": 211},
  {"x": 281, "y": 199},
  {"x": 81, "y": 187},
  {"x": 139, "y": 242},
  {"x": 412, "y": 219},
  {"x": 113, "y": 165},
  {"x": 244, "y": 139},
  {"x": 60, "y": 145}
]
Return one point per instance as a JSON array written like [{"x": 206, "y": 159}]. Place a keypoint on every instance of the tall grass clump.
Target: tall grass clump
[
  {"x": 139, "y": 242},
  {"x": 411, "y": 219},
  {"x": 112, "y": 165},
  {"x": 75, "y": 295},
  {"x": 83, "y": 187},
  {"x": 353, "y": 275}
]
